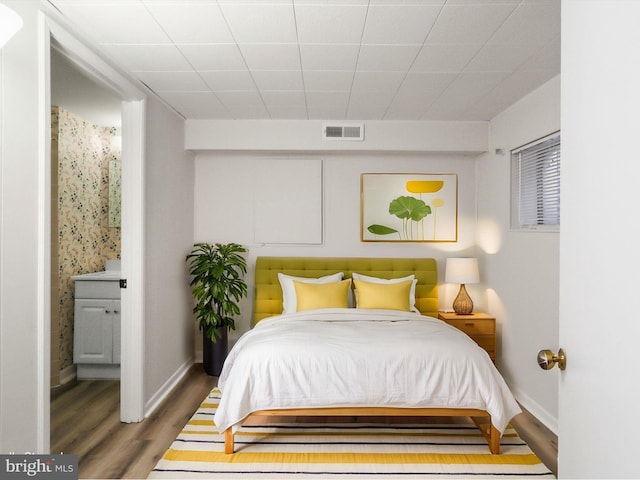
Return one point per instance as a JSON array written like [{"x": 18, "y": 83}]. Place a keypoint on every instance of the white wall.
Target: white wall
[
  {"x": 306, "y": 135},
  {"x": 20, "y": 281},
  {"x": 224, "y": 207},
  {"x": 520, "y": 267},
  {"x": 168, "y": 238},
  {"x": 24, "y": 387}
]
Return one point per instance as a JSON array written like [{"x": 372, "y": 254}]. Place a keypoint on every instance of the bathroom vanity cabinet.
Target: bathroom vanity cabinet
[{"x": 96, "y": 347}]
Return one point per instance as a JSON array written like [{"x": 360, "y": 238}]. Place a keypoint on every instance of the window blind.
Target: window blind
[{"x": 535, "y": 184}]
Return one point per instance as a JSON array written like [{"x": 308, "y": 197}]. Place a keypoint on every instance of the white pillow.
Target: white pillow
[
  {"x": 412, "y": 293},
  {"x": 289, "y": 300}
]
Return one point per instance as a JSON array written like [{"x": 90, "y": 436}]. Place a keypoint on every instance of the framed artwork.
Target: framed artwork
[{"x": 408, "y": 207}]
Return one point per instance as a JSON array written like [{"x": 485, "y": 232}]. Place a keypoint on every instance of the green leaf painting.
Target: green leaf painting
[
  {"x": 411, "y": 211},
  {"x": 409, "y": 208}
]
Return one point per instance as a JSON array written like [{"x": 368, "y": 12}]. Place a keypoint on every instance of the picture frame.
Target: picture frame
[{"x": 408, "y": 207}]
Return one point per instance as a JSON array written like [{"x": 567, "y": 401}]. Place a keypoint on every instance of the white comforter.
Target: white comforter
[{"x": 353, "y": 357}]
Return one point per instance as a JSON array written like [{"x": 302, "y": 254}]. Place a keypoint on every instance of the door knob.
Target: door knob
[{"x": 547, "y": 359}]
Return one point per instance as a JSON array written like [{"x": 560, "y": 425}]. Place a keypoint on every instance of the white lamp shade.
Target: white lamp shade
[
  {"x": 462, "y": 270},
  {"x": 10, "y": 23}
]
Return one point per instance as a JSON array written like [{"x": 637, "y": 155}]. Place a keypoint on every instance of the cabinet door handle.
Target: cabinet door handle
[
  {"x": 115, "y": 311},
  {"x": 107, "y": 311}
]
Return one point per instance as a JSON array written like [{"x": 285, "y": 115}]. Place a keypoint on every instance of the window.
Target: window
[{"x": 535, "y": 185}]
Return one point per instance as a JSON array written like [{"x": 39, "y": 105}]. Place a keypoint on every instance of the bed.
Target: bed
[{"x": 379, "y": 359}]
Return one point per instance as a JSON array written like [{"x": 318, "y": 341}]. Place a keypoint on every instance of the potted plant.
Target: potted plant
[{"x": 217, "y": 285}]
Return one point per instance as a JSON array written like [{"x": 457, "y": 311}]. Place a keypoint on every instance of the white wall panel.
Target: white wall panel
[
  {"x": 521, "y": 267},
  {"x": 288, "y": 209}
]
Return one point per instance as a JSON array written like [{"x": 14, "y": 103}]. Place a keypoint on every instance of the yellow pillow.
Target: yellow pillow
[
  {"x": 385, "y": 296},
  {"x": 310, "y": 296}
]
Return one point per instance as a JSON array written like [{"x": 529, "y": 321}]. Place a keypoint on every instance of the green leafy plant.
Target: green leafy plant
[{"x": 217, "y": 285}]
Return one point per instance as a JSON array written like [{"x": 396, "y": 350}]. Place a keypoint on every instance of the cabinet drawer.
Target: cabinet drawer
[
  {"x": 474, "y": 327},
  {"x": 488, "y": 342}
]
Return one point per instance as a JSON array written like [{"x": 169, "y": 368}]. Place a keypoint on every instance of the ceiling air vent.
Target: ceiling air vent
[{"x": 342, "y": 132}]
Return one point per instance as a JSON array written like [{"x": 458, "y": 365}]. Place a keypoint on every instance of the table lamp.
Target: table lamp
[{"x": 462, "y": 271}]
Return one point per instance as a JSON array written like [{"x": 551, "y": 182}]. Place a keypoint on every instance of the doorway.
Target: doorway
[
  {"x": 132, "y": 103},
  {"x": 85, "y": 217}
]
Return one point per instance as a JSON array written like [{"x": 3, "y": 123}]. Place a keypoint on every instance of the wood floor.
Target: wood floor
[{"x": 85, "y": 421}]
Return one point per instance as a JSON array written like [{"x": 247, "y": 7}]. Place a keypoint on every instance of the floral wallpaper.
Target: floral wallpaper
[{"x": 84, "y": 239}]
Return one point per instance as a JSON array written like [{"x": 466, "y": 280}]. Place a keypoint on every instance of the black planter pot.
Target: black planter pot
[{"x": 214, "y": 354}]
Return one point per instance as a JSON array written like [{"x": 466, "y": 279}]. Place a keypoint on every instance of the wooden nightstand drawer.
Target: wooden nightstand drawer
[
  {"x": 487, "y": 342},
  {"x": 479, "y": 326},
  {"x": 473, "y": 327}
]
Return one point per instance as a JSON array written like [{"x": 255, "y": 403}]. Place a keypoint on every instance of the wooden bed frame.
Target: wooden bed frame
[{"x": 268, "y": 302}]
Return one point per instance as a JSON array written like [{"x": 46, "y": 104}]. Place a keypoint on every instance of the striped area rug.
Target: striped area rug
[{"x": 343, "y": 450}]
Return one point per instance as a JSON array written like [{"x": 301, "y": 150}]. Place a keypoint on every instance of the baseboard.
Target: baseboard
[
  {"x": 168, "y": 386},
  {"x": 68, "y": 374},
  {"x": 537, "y": 411}
]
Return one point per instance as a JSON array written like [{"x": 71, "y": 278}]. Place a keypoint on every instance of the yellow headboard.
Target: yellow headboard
[{"x": 268, "y": 294}]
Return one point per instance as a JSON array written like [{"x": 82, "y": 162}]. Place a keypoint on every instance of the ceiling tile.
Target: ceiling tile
[
  {"x": 115, "y": 22},
  {"x": 278, "y": 79},
  {"x": 249, "y": 112},
  {"x": 224, "y": 56},
  {"x": 510, "y": 90},
  {"x": 240, "y": 98},
  {"x": 466, "y": 90},
  {"x": 197, "y": 105},
  {"x": 410, "y": 105},
  {"x": 149, "y": 57},
  {"x": 381, "y": 82},
  {"x": 427, "y": 81},
  {"x": 387, "y": 57},
  {"x": 339, "y": 24},
  {"x": 448, "y": 57},
  {"x": 173, "y": 81},
  {"x": 368, "y": 105},
  {"x": 478, "y": 2},
  {"x": 409, "y": 2},
  {"x": 279, "y": 98},
  {"x": 286, "y": 105},
  {"x": 536, "y": 21},
  {"x": 399, "y": 24},
  {"x": 338, "y": 81},
  {"x": 191, "y": 22},
  {"x": 473, "y": 23},
  {"x": 260, "y": 22},
  {"x": 327, "y": 105},
  {"x": 225, "y": 80},
  {"x": 330, "y": 2},
  {"x": 329, "y": 57},
  {"x": 271, "y": 56},
  {"x": 547, "y": 58},
  {"x": 288, "y": 112},
  {"x": 501, "y": 57}
]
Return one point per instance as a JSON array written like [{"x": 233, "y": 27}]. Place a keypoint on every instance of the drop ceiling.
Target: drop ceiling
[{"x": 329, "y": 59}]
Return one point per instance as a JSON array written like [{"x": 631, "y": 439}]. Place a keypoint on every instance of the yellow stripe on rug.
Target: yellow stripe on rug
[
  {"x": 369, "y": 458},
  {"x": 343, "y": 451}
]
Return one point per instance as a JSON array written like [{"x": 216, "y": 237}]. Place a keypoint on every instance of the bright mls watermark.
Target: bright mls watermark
[{"x": 25, "y": 467}]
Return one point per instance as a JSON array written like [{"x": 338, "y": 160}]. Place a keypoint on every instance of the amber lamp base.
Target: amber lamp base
[{"x": 463, "y": 305}]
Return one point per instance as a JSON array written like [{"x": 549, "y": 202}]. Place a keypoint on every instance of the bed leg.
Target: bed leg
[
  {"x": 494, "y": 439},
  {"x": 490, "y": 433},
  {"x": 228, "y": 441}
]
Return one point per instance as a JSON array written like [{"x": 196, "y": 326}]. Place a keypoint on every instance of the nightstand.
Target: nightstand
[{"x": 479, "y": 326}]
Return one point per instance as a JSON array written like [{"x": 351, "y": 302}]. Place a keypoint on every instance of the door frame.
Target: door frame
[{"x": 54, "y": 32}]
